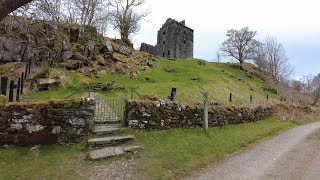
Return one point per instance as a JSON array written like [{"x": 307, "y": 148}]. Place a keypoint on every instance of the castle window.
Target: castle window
[
  {"x": 164, "y": 33},
  {"x": 184, "y": 42},
  {"x": 164, "y": 42},
  {"x": 169, "y": 53},
  {"x": 184, "y": 32},
  {"x": 164, "y": 54}
]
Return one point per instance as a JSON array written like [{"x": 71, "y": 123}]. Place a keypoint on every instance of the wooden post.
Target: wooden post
[
  {"x": 22, "y": 83},
  {"x": 26, "y": 70},
  {"x": 230, "y": 99},
  {"x": 205, "y": 112},
  {"x": 11, "y": 91},
  {"x": 4, "y": 85},
  {"x": 250, "y": 99},
  {"x": 267, "y": 97},
  {"x": 29, "y": 70},
  {"x": 18, "y": 90}
]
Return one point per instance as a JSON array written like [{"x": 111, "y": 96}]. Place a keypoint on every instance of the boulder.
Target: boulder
[
  {"x": 46, "y": 84},
  {"x": 88, "y": 50},
  {"x": 10, "y": 50},
  {"x": 107, "y": 48},
  {"x": 74, "y": 35},
  {"x": 66, "y": 55},
  {"x": 125, "y": 51}
]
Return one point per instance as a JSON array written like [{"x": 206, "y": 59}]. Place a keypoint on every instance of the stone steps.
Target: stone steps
[
  {"x": 111, "y": 152},
  {"x": 108, "y": 141},
  {"x": 107, "y": 122},
  {"x": 105, "y": 129}
]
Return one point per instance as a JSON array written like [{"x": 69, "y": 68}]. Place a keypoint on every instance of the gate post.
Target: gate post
[
  {"x": 11, "y": 91},
  {"x": 205, "y": 112}
]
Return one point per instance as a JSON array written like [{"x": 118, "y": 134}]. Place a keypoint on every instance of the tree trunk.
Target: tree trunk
[{"x": 7, "y": 6}]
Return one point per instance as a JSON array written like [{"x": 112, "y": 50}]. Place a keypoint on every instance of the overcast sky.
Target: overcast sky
[{"x": 295, "y": 23}]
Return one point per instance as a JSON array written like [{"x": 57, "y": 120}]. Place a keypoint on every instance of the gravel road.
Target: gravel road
[{"x": 293, "y": 155}]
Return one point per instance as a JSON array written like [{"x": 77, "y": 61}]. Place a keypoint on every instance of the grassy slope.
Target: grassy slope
[
  {"x": 219, "y": 79},
  {"x": 166, "y": 154}
]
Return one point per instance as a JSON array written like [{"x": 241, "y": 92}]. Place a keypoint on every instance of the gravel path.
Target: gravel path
[{"x": 292, "y": 155}]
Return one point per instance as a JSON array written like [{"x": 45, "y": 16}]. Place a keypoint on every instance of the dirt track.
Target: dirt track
[{"x": 292, "y": 155}]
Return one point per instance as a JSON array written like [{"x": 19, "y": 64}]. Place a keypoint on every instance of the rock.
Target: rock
[
  {"x": 149, "y": 79},
  {"x": 72, "y": 64},
  {"x": 66, "y": 55},
  {"x": 65, "y": 46},
  {"x": 107, "y": 48},
  {"x": 125, "y": 51},
  {"x": 102, "y": 130},
  {"x": 132, "y": 148},
  {"x": 34, "y": 128},
  {"x": 109, "y": 141},
  {"x": 10, "y": 50},
  {"x": 88, "y": 50},
  {"x": 34, "y": 152},
  {"x": 46, "y": 84},
  {"x": 74, "y": 35},
  {"x": 105, "y": 153}
]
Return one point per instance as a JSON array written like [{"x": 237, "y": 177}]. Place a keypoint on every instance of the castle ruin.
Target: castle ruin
[{"x": 175, "y": 41}]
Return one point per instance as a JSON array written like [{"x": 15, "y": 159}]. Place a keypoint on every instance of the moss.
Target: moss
[
  {"x": 80, "y": 57},
  {"x": 100, "y": 60},
  {"x": 118, "y": 57},
  {"x": 10, "y": 67}
]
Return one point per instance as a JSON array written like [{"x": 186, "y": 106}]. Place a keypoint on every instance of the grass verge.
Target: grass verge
[{"x": 169, "y": 154}]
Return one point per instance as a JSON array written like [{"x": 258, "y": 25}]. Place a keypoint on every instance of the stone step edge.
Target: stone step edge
[{"x": 111, "y": 152}]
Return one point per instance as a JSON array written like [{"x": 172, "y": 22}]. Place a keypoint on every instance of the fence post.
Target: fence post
[
  {"x": 205, "y": 112},
  {"x": 131, "y": 93},
  {"x": 230, "y": 99},
  {"x": 4, "y": 85},
  {"x": 11, "y": 91},
  {"x": 26, "y": 70},
  {"x": 267, "y": 97},
  {"x": 250, "y": 99},
  {"x": 18, "y": 90},
  {"x": 22, "y": 83}
]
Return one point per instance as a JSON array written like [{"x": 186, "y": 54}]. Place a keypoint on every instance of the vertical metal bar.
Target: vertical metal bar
[
  {"x": 18, "y": 90},
  {"x": 22, "y": 83},
  {"x": 11, "y": 91},
  {"x": 4, "y": 84}
]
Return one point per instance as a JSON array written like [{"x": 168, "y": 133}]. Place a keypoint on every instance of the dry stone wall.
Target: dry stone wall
[
  {"x": 159, "y": 114},
  {"x": 45, "y": 123}
]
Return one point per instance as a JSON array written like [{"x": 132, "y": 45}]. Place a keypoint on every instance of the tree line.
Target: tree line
[
  {"x": 269, "y": 56},
  {"x": 121, "y": 15}
]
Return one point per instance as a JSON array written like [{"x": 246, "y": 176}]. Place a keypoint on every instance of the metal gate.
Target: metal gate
[{"x": 109, "y": 111}]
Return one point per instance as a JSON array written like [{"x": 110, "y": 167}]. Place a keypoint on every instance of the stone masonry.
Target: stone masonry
[{"x": 175, "y": 41}]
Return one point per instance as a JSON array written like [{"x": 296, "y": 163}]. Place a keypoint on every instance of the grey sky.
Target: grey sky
[{"x": 294, "y": 23}]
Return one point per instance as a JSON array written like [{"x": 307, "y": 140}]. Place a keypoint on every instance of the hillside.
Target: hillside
[{"x": 188, "y": 76}]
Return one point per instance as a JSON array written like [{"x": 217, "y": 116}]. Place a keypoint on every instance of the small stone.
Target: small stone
[
  {"x": 34, "y": 152},
  {"x": 105, "y": 153},
  {"x": 132, "y": 148}
]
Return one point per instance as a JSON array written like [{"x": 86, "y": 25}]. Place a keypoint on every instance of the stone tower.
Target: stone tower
[{"x": 175, "y": 41}]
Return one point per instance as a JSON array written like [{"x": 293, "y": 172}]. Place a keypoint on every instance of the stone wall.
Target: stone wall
[
  {"x": 45, "y": 123},
  {"x": 163, "y": 115}
]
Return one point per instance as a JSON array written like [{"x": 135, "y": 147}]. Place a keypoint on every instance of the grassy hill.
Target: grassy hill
[{"x": 188, "y": 76}]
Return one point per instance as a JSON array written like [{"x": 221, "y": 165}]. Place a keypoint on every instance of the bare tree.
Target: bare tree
[
  {"x": 276, "y": 59},
  {"x": 260, "y": 58},
  {"x": 297, "y": 85},
  {"x": 315, "y": 93},
  {"x": 8, "y": 6},
  {"x": 125, "y": 19},
  {"x": 240, "y": 44},
  {"x": 307, "y": 83}
]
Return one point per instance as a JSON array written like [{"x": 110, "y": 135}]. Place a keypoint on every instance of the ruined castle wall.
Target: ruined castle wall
[{"x": 45, "y": 123}]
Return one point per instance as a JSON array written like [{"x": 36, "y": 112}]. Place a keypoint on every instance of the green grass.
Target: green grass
[
  {"x": 180, "y": 152},
  {"x": 166, "y": 154},
  {"x": 219, "y": 79}
]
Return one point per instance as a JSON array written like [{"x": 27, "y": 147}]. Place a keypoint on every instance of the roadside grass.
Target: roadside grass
[
  {"x": 219, "y": 79},
  {"x": 168, "y": 154}
]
